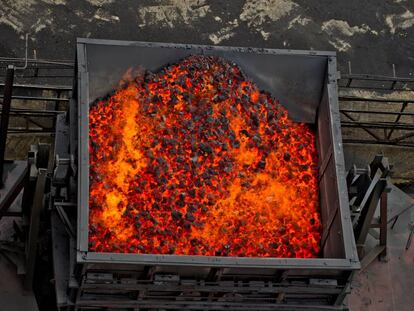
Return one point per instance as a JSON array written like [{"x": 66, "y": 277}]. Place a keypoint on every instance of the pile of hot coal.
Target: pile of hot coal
[{"x": 195, "y": 160}]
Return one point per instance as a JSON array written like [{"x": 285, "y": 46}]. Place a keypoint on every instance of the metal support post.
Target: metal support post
[
  {"x": 383, "y": 224},
  {"x": 31, "y": 249},
  {"x": 5, "y": 112}
]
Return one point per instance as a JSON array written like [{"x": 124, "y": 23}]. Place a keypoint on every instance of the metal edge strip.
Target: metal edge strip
[
  {"x": 83, "y": 159},
  {"x": 204, "y": 47},
  {"x": 83, "y": 187},
  {"x": 347, "y": 230},
  {"x": 214, "y": 261}
]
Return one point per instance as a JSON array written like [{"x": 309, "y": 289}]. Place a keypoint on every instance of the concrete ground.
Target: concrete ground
[
  {"x": 373, "y": 34},
  {"x": 389, "y": 285},
  {"x": 13, "y": 297}
]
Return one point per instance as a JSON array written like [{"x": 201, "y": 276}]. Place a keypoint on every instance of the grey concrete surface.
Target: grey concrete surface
[
  {"x": 373, "y": 34},
  {"x": 12, "y": 295},
  {"x": 389, "y": 286}
]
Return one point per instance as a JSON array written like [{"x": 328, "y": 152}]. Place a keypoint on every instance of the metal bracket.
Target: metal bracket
[
  {"x": 368, "y": 187},
  {"x": 64, "y": 168}
]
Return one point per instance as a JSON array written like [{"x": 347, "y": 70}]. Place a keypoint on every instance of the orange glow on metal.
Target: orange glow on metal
[{"x": 196, "y": 160}]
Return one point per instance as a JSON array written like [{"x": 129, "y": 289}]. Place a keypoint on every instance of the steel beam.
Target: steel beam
[
  {"x": 383, "y": 223},
  {"x": 5, "y": 112},
  {"x": 34, "y": 228}
]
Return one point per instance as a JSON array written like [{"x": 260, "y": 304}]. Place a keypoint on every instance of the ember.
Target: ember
[{"x": 195, "y": 160}]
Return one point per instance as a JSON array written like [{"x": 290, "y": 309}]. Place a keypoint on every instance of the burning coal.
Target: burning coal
[{"x": 195, "y": 160}]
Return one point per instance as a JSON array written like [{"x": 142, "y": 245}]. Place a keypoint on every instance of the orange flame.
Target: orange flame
[{"x": 195, "y": 160}]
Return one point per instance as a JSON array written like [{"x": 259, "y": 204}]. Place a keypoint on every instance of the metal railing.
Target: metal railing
[
  {"x": 391, "y": 131},
  {"x": 54, "y": 78}
]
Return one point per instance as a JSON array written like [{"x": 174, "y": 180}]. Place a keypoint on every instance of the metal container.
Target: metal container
[{"x": 305, "y": 83}]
